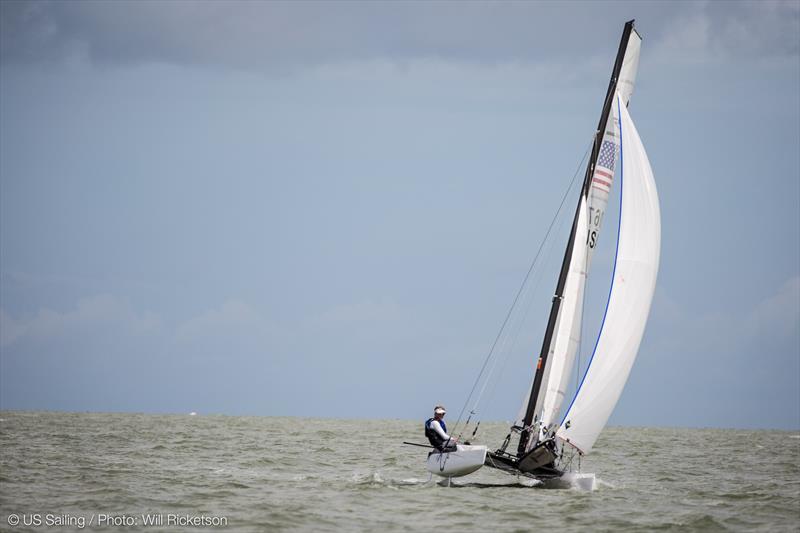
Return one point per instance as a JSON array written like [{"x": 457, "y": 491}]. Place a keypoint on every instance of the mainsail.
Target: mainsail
[{"x": 539, "y": 412}]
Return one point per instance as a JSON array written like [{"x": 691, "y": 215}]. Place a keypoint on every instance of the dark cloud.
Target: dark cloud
[{"x": 285, "y": 35}]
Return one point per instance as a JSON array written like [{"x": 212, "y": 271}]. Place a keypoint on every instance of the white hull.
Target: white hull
[{"x": 465, "y": 460}]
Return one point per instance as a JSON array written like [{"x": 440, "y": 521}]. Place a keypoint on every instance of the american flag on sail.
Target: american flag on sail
[{"x": 604, "y": 171}]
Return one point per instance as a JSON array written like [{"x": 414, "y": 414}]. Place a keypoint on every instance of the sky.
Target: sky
[{"x": 325, "y": 209}]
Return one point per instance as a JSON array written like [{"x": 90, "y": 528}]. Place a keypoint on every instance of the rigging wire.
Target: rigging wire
[
  {"x": 515, "y": 332},
  {"x": 516, "y": 299}
]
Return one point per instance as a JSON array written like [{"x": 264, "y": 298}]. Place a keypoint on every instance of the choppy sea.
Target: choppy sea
[{"x": 132, "y": 472}]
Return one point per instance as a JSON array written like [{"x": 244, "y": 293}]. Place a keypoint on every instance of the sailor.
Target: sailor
[{"x": 436, "y": 431}]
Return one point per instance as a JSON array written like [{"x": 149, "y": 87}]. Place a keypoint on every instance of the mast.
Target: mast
[{"x": 541, "y": 365}]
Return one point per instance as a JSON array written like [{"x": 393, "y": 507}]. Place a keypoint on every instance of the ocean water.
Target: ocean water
[{"x": 106, "y": 472}]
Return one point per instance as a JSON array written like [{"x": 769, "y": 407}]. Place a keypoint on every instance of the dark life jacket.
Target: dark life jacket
[{"x": 435, "y": 439}]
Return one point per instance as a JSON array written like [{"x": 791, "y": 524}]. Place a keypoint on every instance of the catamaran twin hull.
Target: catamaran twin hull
[{"x": 538, "y": 463}]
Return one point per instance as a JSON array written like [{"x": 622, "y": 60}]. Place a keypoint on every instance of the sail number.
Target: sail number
[
  {"x": 591, "y": 238},
  {"x": 595, "y": 218}
]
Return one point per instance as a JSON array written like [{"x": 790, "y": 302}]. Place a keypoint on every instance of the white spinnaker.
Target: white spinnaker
[{"x": 633, "y": 284}]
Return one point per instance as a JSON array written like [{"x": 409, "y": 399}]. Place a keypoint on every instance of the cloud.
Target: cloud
[
  {"x": 714, "y": 31},
  {"x": 723, "y": 367},
  {"x": 10, "y": 329},
  {"x": 235, "y": 319},
  {"x": 726, "y": 332},
  {"x": 385, "y": 315},
  {"x": 279, "y": 36},
  {"x": 778, "y": 315},
  {"x": 235, "y": 326},
  {"x": 101, "y": 313}
]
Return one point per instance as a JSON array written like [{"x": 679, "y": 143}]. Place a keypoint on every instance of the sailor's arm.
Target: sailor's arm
[{"x": 437, "y": 427}]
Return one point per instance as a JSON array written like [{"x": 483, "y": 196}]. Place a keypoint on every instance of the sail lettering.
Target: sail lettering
[
  {"x": 598, "y": 217},
  {"x": 595, "y": 216},
  {"x": 591, "y": 238}
]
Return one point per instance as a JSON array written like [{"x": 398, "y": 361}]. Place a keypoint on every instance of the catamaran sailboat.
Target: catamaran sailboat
[{"x": 547, "y": 440}]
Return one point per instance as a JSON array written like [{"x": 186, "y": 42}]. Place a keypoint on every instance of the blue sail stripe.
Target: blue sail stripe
[{"x": 613, "y": 273}]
